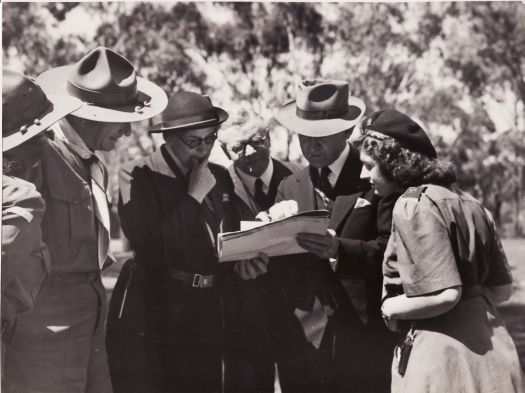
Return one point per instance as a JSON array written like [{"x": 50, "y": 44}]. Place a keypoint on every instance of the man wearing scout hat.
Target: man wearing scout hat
[
  {"x": 26, "y": 113},
  {"x": 61, "y": 346},
  {"x": 165, "y": 329}
]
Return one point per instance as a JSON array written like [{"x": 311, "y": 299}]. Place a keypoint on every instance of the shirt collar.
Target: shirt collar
[
  {"x": 337, "y": 166},
  {"x": 266, "y": 178},
  {"x": 182, "y": 168},
  {"x": 65, "y": 131}
]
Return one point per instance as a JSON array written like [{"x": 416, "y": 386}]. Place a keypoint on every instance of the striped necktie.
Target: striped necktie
[{"x": 100, "y": 203}]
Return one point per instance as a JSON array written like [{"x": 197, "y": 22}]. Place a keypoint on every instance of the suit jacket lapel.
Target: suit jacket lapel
[
  {"x": 240, "y": 190},
  {"x": 304, "y": 191},
  {"x": 342, "y": 209},
  {"x": 349, "y": 180}
]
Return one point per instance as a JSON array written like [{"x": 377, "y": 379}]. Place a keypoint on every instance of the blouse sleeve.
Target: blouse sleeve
[{"x": 425, "y": 257}]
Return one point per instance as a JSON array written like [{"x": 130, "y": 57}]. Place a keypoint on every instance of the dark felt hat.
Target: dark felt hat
[
  {"x": 187, "y": 111},
  {"x": 108, "y": 83},
  {"x": 321, "y": 108},
  {"x": 400, "y": 127},
  {"x": 27, "y": 110}
]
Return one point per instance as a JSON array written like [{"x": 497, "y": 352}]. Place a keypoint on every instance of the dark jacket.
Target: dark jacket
[
  {"x": 363, "y": 230},
  {"x": 167, "y": 229}
]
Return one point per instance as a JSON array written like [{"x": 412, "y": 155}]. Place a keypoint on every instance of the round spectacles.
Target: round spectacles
[
  {"x": 194, "y": 143},
  {"x": 258, "y": 143}
]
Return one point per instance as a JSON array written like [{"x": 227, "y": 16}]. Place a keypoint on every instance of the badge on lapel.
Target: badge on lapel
[{"x": 361, "y": 202}]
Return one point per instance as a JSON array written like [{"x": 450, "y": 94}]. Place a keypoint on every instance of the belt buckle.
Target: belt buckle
[{"x": 200, "y": 281}]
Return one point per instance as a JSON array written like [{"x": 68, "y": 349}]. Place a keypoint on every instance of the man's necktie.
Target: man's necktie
[
  {"x": 260, "y": 196},
  {"x": 100, "y": 204},
  {"x": 324, "y": 184}
]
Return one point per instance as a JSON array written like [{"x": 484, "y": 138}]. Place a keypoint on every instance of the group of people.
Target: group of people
[{"x": 398, "y": 295}]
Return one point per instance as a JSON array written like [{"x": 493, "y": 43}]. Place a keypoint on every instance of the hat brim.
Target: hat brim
[
  {"x": 287, "y": 116},
  {"x": 62, "y": 106},
  {"x": 54, "y": 81},
  {"x": 166, "y": 127}
]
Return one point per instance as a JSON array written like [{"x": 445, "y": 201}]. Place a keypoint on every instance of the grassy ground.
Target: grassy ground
[{"x": 512, "y": 311}]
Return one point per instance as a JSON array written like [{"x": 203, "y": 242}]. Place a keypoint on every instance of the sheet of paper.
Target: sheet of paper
[{"x": 275, "y": 238}]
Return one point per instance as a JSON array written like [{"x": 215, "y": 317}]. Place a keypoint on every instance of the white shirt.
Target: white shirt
[
  {"x": 337, "y": 166},
  {"x": 266, "y": 178}
]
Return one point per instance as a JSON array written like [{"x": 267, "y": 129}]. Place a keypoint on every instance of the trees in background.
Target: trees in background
[{"x": 450, "y": 64}]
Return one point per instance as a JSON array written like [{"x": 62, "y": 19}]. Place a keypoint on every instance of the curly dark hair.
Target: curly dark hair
[{"x": 404, "y": 167}]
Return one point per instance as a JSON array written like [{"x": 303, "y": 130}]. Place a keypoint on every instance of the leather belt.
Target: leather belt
[
  {"x": 71, "y": 278},
  {"x": 195, "y": 280}
]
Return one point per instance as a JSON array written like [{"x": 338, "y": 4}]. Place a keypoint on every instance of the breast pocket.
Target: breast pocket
[{"x": 69, "y": 214}]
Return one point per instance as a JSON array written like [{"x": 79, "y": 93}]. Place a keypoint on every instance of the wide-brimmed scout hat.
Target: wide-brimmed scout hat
[
  {"x": 109, "y": 86},
  {"x": 27, "y": 110},
  {"x": 188, "y": 111},
  {"x": 321, "y": 108},
  {"x": 394, "y": 124}
]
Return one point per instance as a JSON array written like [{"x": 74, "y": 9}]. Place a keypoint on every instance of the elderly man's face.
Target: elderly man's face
[
  {"x": 323, "y": 151},
  {"x": 248, "y": 149},
  {"x": 99, "y": 135}
]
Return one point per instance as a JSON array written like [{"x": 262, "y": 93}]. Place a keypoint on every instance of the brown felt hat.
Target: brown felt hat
[
  {"x": 109, "y": 86},
  {"x": 187, "y": 111},
  {"x": 27, "y": 110}
]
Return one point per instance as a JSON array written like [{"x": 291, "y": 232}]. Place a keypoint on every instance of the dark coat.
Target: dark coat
[
  {"x": 167, "y": 229},
  {"x": 363, "y": 230}
]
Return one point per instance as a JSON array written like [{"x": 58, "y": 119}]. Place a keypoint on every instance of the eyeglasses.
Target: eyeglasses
[
  {"x": 255, "y": 143},
  {"x": 194, "y": 143}
]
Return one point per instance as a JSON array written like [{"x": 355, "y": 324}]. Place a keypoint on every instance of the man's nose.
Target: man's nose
[{"x": 365, "y": 173}]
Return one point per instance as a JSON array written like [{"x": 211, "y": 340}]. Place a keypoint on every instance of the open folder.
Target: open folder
[{"x": 274, "y": 238}]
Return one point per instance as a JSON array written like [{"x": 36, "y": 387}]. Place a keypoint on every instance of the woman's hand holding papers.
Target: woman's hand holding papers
[
  {"x": 324, "y": 246},
  {"x": 249, "y": 269}
]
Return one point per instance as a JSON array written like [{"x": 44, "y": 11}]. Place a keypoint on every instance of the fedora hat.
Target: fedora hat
[
  {"x": 321, "y": 108},
  {"x": 27, "y": 110},
  {"x": 187, "y": 111},
  {"x": 109, "y": 86}
]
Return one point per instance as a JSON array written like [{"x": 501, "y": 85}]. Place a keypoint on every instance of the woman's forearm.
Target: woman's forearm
[{"x": 421, "y": 307}]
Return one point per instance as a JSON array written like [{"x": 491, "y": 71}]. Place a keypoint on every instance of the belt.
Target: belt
[
  {"x": 72, "y": 278},
  {"x": 195, "y": 280}
]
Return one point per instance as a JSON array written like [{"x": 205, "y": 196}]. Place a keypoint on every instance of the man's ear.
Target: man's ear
[{"x": 226, "y": 152}]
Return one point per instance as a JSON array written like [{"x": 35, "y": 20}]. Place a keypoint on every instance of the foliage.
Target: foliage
[{"x": 445, "y": 63}]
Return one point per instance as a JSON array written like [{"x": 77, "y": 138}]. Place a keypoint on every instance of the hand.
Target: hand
[
  {"x": 283, "y": 209},
  {"x": 324, "y": 246},
  {"x": 263, "y": 216},
  {"x": 201, "y": 181},
  {"x": 249, "y": 269},
  {"x": 391, "y": 323}
]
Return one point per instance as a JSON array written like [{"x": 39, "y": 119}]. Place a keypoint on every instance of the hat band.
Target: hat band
[
  {"x": 322, "y": 114},
  {"x": 26, "y": 118},
  {"x": 199, "y": 120},
  {"x": 122, "y": 98}
]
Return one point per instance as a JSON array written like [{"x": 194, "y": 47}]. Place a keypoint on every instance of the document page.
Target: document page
[{"x": 274, "y": 238}]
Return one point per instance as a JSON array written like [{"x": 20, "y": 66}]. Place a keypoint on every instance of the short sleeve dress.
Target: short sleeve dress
[{"x": 441, "y": 238}]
